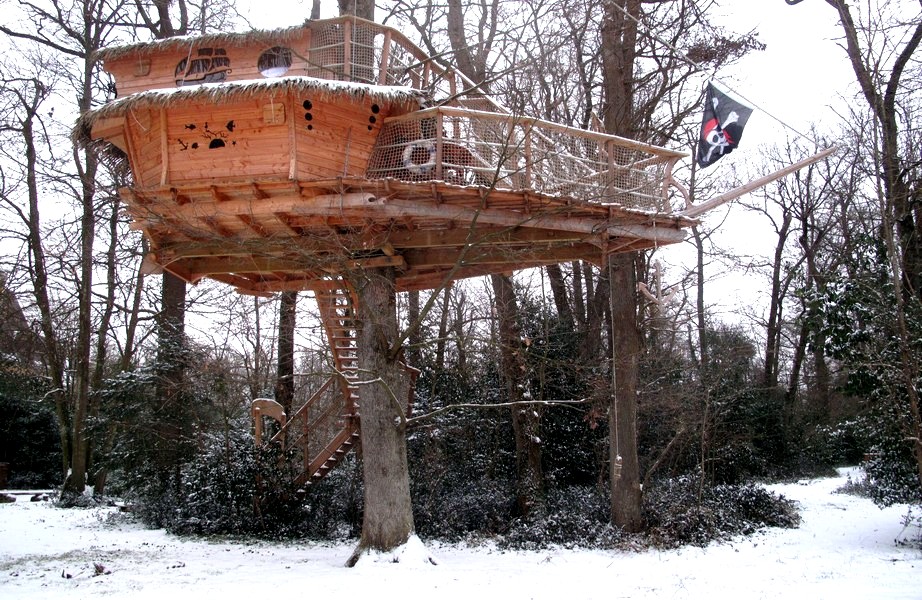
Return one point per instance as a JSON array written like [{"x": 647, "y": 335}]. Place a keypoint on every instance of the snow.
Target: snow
[{"x": 844, "y": 548}]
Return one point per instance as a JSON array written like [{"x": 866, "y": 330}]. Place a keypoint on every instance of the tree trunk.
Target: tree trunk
[
  {"x": 414, "y": 352},
  {"x": 699, "y": 305},
  {"x": 76, "y": 480},
  {"x": 285, "y": 374},
  {"x": 388, "y": 517},
  {"x": 626, "y": 491},
  {"x": 39, "y": 273},
  {"x": 579, "y": 305},
  {"x": 561, "y": 301},
  {"x": 618, "y": 52},
  {"x": 773, "y": 330},
  {"x": 443, "y": 330},
  {"x": 526, "y": 420},
  {"x": 171, "y": 358}
]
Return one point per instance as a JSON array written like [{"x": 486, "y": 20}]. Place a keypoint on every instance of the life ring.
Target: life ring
[{"x": 419, "y": 168}]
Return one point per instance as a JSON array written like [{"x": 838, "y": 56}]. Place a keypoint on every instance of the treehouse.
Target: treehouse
[{"x": 285, "y": 160}]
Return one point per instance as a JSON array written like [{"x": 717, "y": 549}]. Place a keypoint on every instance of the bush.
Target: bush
[
  {"x": 230, "y": 489},
  {"x": 482, "y": 507},
  {"x": 576, "y": 517},
  {"x": 678, "y": 514},
  {"x": 29, "y": 439}
]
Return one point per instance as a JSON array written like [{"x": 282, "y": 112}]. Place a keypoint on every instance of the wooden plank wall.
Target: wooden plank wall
[
  {"x": 141, "y": 72},
  {"x": 335, "y": 138},
  {"x": 226, "y": 141}
]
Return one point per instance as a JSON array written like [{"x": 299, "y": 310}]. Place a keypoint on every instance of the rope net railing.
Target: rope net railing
[
  {"x": 466, "y": 147},
  {"x": 349, "y": 49}
]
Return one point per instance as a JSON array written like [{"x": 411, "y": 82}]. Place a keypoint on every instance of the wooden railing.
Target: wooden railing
[
  {"x": 471, "y": 147},
  {"x": 327, "y": 416},
  {"x": 353, "y": 49}
]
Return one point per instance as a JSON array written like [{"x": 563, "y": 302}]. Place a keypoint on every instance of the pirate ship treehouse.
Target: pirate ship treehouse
[{"x": 283, "y": 160}]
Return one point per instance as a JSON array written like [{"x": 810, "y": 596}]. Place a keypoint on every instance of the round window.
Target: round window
[{"x": 274, "y": 62}]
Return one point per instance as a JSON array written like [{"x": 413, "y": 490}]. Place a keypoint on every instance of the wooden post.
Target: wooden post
[
  {"x": 292, "y": 138},
  {"x": 258, "y": 427},
  {"x": 439, "y": 154},
  {"x": 528, "y": 157},
  {"x": 164, "y": 150},
  {"x": 385, "y": 59},
  {"x": 735, "y": 193},
  {"x": 308, "y": 36},
  {"x": 347, "y": 50}
]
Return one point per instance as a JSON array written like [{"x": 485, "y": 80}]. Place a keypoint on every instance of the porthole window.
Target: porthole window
[{"x": 275, "y": 61}]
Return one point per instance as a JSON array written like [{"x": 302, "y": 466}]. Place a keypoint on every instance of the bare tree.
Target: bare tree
[{"x": 889, "y": 88}]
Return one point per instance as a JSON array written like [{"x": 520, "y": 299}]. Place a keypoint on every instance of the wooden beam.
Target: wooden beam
[
  {"x": 520, "y": 120},
  {"x": 164, "y": 150},
  {"x": 700, "y": 209},
  {"x": 663, "y": 235},
  {"x": 447, "y": 257}
]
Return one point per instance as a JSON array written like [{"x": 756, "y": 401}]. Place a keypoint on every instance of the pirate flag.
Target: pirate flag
[{"x": 721, "y": 127}]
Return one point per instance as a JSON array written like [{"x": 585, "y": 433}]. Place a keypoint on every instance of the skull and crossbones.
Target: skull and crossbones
[{"x": 715, "y": 134}]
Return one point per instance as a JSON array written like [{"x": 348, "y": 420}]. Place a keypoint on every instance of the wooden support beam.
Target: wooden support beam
[
  {"x": 700, "y": 209},
  {"x": 448, "y": 257},
  {"x": 164, "y": 150},
  {"x": 664, "y": 234},
  {"x": 323, "y": 204}
]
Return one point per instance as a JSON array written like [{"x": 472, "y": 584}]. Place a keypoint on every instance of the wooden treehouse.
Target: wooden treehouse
[{"x": 284, "y": 160}]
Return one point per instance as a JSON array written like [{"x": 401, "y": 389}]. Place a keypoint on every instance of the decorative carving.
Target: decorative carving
[{"x": 210, "y": 66}]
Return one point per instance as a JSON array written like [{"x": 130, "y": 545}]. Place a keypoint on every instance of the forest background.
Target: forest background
[{"x": 97, "y": 388}]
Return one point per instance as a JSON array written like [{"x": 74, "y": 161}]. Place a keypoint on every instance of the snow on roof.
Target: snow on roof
[
  {"x": 246, "y": 89},
  {"x": 182, "y": 42}
]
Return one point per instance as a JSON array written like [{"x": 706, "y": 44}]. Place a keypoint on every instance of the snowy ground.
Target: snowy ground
[{"x": 844, "y": 549}]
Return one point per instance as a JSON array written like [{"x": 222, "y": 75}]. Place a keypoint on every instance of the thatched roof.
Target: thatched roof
[
  {"x": 217, "y": 93},
  {"x": 270, "y": 37}
]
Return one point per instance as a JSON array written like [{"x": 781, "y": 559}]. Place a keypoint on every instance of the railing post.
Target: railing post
[
  {"x": 439, "y": 171},
  {"x": 306, "y": 442},
  {"x": 347, "y": 50},
  {"x": 258, "y": 429},
  {"x": 527, "y": 133},
  {"x": 385, "y": 58},
  {"x": 610, "y": 149},
  {"x": 308, "y": 40}
]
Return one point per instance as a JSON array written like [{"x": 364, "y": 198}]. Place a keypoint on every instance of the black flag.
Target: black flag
[{"x": 721, "y": 127}]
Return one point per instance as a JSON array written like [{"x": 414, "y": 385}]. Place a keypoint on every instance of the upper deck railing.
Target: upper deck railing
[{"x": 502, "y": 151}]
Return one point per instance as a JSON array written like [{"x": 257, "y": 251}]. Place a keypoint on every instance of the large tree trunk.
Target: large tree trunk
[
  {"x": 626, "y": 491},
  {"x": 284, "y": 381},
  {"x": 86, "y": 169},
  {"x": 619, "y": 49},
  {"x": 526, "y": 420},
  {"x": 388, "y": 517},
  {"x": 171, "y": 359}
]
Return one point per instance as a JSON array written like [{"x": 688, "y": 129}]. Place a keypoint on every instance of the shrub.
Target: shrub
[
  {"x": 483, "y": 507},
  {"x": 576, "y": 516},
  {"x": 679, "y": 513}
]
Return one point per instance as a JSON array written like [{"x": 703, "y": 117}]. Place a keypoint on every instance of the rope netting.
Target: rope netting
[
  {"x": 499, "y": 151},
  {"x": 363, "y": 52}
]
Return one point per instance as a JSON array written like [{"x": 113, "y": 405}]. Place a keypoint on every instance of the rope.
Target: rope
[{"x": 699, "y": 68}]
